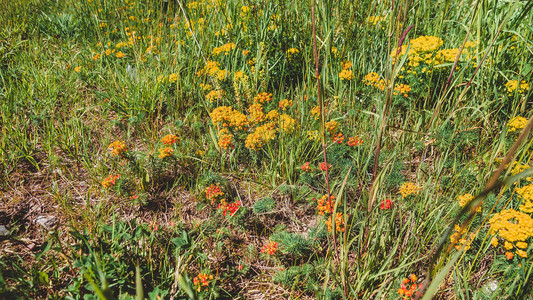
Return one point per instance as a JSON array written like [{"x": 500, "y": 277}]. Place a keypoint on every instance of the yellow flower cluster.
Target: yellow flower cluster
[
  {"x": 465, "y": 199},
  {"x": 315, "y": 112},
  {"x": 419, "y": 45},
  {"x": 518, "y": 168},
  {"x": 226, "y": 49},
  {"x": 255, "y": 113},
  {"x": 226, "y": 116},
  {"x": 346, "y": 75},
  {"x": 526, "y": 193},
  {"x": 459, "y": 241},
  {"x": 516, "y": 123},
  {"x": 170, "y": 78},
  {"x": 261, "y": 135},
  {"x": 215, "y": 95},
  {"x": 285, "y": 103},
  {"x": 512, "y": 85},
  {"x": 514, "y": 227},
  {"x": 408, "y": 189},
  {"x": 212, "y": 68},
  {"x": 374, "y": 20},
  {"x": 118, "y": 148},
  {"x": 272, "y": 115},
  {"x": 332, "y": 126},
  {"x": 205, "y": 87},
  {"x": 286, "y": 123},
  {"x": 373, "y": 79},
  {"x": 424, "y": 52},
  {"x": 402, "y": 89},
  {"x": 313, "y": 135},
  {"x": 165, "y": 152},
  {"x": 292, "y": 51}
]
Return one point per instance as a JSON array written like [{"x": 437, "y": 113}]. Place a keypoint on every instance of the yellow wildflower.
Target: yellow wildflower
[
  {"x": 346, "y": 75},
  {"x": 118, "y": 148},
  {"x": 165, "y": 152},
  {"x": 408, "y": 189},
  {"x": 516, "y": 124},
  {"x": 286, "y": 123}
]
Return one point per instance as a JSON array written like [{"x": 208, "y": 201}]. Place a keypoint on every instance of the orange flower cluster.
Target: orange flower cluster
[
  {"x": 355, "y": 141},
  {"x": 110, "y": 181},
  {"x": 255, "y": 113},
  {"x": 202, "y": 280},
  {"x": 409, "y": 288},
  {"x": 340, "y": 226},
  {"x": 325, "y": 206},
  {"x": 213, "y": 192},
  {"x": 169, "y": 139},
  {"x": 270, "y": 248},
  {"x": 285, "y": 103},
  {"x": 332, "y": 126},
  {"x": 118, "y": 148},
  {"x": 402, "y": 89},
  {"x": 225, "y": 139},
  {"x": 263, "y": 97}
]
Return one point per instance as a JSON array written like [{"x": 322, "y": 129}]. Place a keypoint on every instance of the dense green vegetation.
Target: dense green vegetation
[{"x": 225, "y": 149}]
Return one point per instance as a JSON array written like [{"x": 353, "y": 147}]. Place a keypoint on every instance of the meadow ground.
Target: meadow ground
[{"x": 238, "y": 149}]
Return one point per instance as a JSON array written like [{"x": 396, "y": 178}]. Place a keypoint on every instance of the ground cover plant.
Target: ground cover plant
[{"x": 236, "y": 149}]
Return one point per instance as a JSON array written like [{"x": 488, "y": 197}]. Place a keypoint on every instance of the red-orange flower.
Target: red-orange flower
[
  {"x": 202, "y": 280},
  {"x": 110, "y": 181},
  {"x": 338, "y": 138},
  {"x": 231, "y": 207},
  {"x": 409, "y": 288},
  {"x": 213, "y": 191},
  {"x": 169, "y": 139},
  {"x": 306, "y": 167},
  {"x": 355, "y": 141},
  {"x": 323, "y": 167},
  {"x": 386, "y": 204},
  {"x": 270, "y": 248}
]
